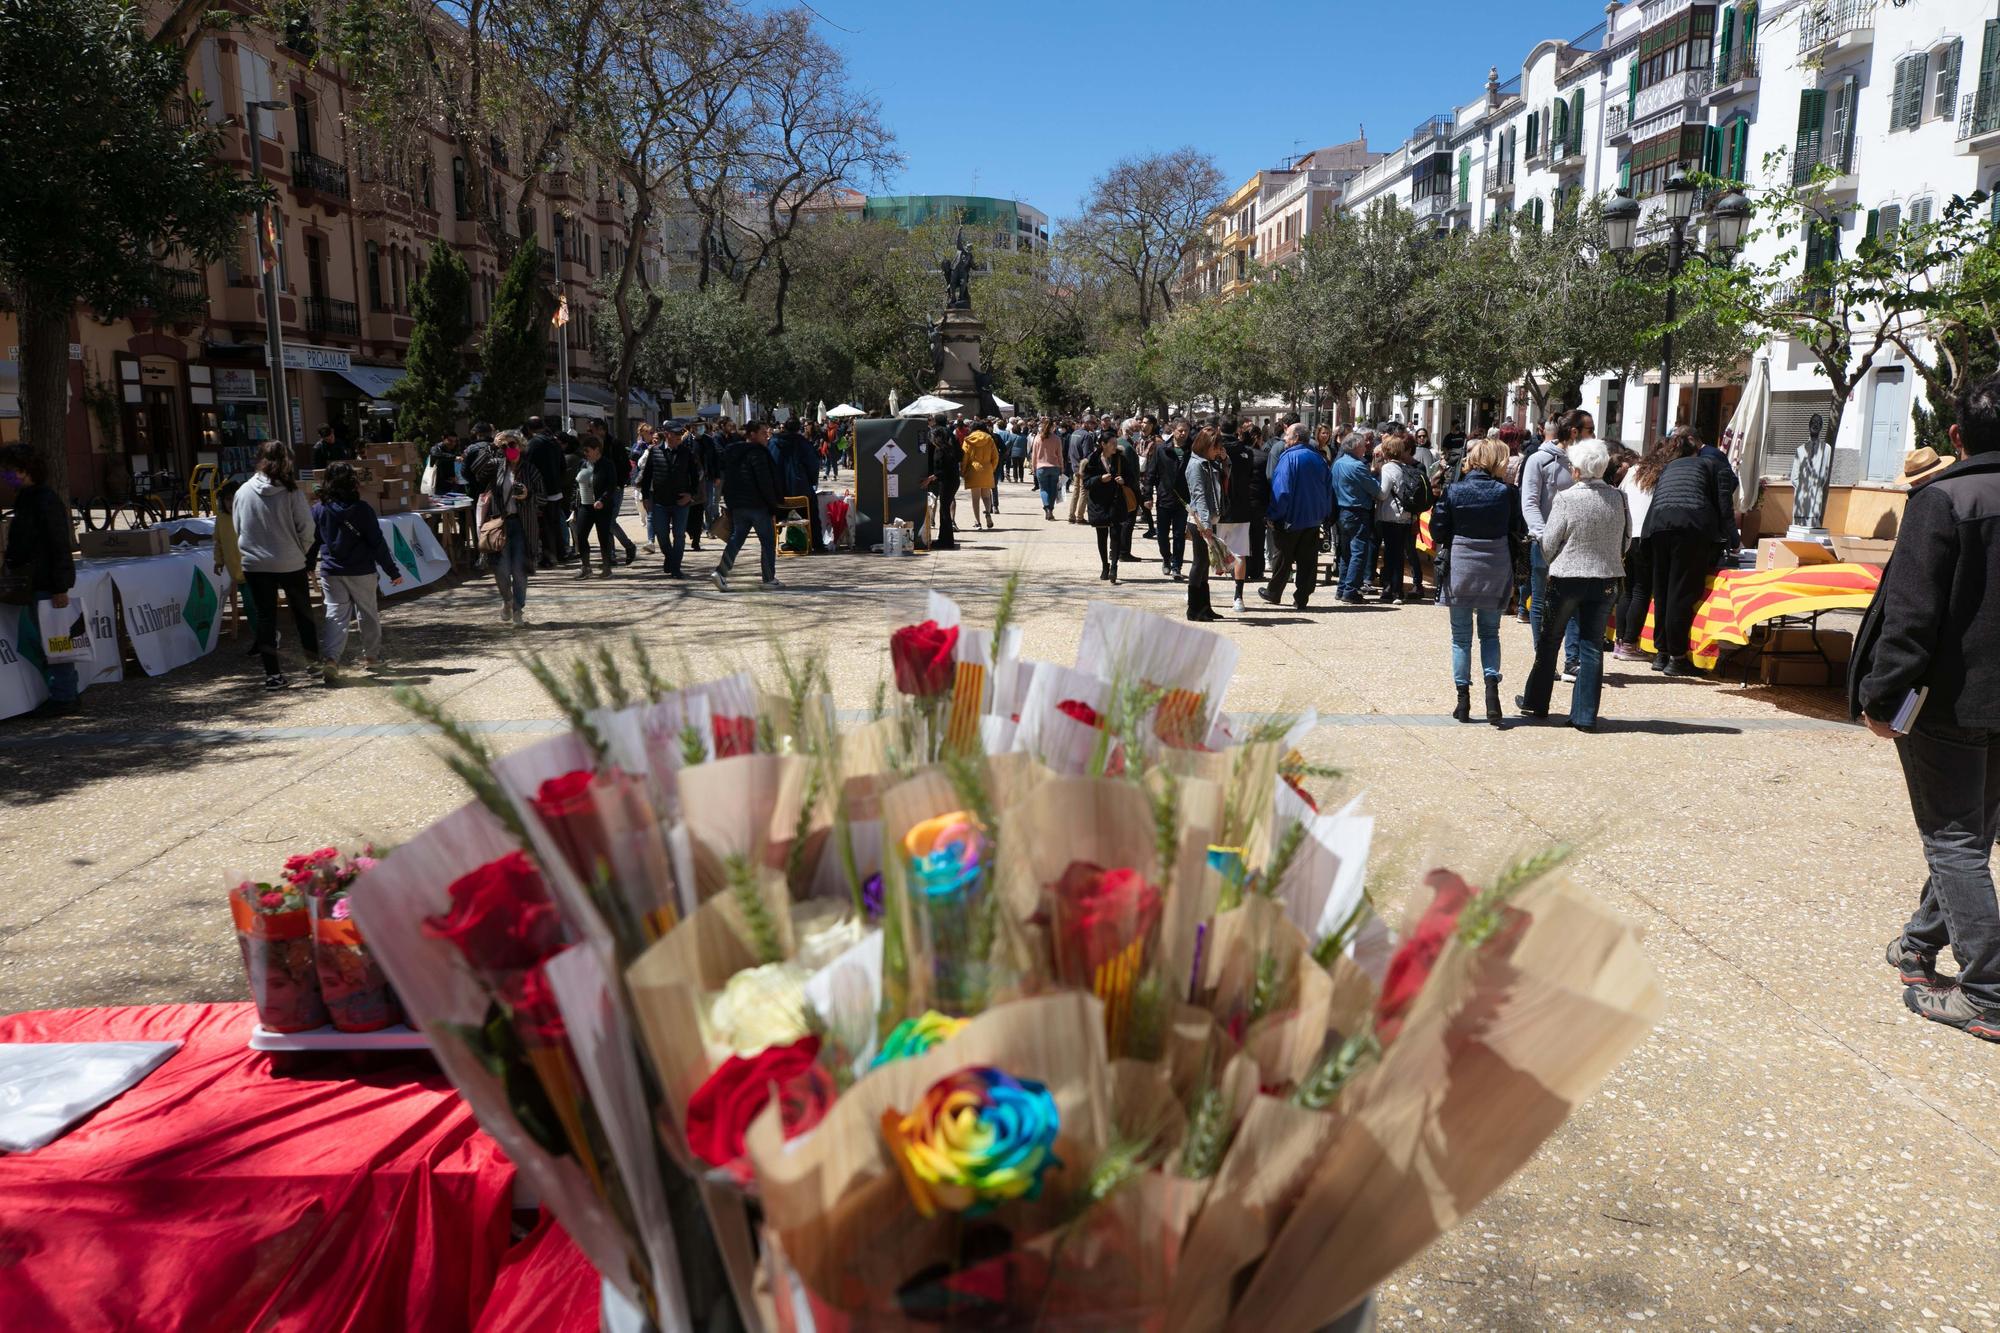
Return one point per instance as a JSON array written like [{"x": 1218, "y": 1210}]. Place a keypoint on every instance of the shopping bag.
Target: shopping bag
[
  {"x": 428, "y": 484},
  {"x": 65, "y": 631}
]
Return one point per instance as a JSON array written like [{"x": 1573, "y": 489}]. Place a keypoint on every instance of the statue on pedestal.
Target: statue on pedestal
[{"x": 958, "y": 275}]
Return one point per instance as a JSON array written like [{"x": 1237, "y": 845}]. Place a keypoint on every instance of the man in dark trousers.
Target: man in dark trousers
[
  {"x": 750, "y": 487},
  {"x": 1301, "y": 502},
  {"x": 669, "y": 479},
  {"x": 621, "y": 466},
  {"x": 798, "y": 469},
  {"x": 545, "y": 455},
  {"x": 1082, "y": 444},
  {"x": 1932, "y": 637},
  {"x": 946, "y": 459}
]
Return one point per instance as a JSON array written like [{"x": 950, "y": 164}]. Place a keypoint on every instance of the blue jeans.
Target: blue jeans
[
  {"x": 1578, "y": 604},
  {"x": 1462, "y": 621},
  {"x": 741, "y": 521},
  {"x": 1538, "y": 577},
  {"x": 1357, "y": 536},
  {"x": 671, "y": 523},
  {"x": 510, "y": 567},
  {"x": 1049, "y": 481}
]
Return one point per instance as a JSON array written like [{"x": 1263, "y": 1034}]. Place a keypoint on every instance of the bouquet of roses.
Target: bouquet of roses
[
  {"x": 274, "y": 932},
  {"x": 964, "y": 1017},
  {"x": 357, "y": 993}
]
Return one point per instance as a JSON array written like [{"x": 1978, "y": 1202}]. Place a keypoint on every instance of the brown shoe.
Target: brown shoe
[{"x": 1951, "y": 1006}]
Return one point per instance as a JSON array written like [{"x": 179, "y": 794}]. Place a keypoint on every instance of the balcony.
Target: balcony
[
  {"x": 1431, "y": 206},
  {"x": 1655, "y": 12},
  {"x": 1673, "y": 93},
  {"x": 1617, "y": 125},
  {"x": 1728, "y": 80},
  {"x": 321, "y": 175},
  {"x": 559, "y": 184},
  {"x": 326, "y": 317},
  {"x": 1836, "y": 157},
  {"x": 1830, "y": 27},
  {"x": 1801, "y": 295},
  {"x": 1979, "y": 120},
  {"x": 1567, "y": 154},
  {"x": 187, "y": 284},
  {"x": 1501, "y": 184},
  {"x": 1435, "y": 130},
  {"x": 601, "y": 210}
]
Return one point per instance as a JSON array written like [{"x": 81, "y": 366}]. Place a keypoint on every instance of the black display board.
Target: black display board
[{"x": 891, "y": 460}]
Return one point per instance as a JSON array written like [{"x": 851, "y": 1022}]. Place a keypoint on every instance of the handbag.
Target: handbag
[
  {"x": 493, "y": 536},
  {"x": 1131, "y": 498}
]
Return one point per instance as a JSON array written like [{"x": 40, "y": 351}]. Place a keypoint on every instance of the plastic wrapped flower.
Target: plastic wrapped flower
[
  {"x": 946, "y": 853},
  {"x": 977, "y": 1139},
  {"x": 914, "y": 1036}
]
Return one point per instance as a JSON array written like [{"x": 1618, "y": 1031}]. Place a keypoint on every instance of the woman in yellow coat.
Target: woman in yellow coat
[{"x": 982, "y": 466}]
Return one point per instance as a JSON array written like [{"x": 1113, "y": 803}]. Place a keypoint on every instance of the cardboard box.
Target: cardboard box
[
  {"x": 1837, "y": 644},
  {"x": 1799, "y": 671},
  {"x": 123, "y": 542},
  {"x": 1784, "y": 553},
  {"x": 1864, "y": 550}
]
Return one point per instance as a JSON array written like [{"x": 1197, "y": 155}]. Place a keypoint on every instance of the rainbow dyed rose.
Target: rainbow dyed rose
[
  {"x": 978, "y": 1138},
  {"x": 914, "y": 1036},
  {"x": 946, "y": 853}
]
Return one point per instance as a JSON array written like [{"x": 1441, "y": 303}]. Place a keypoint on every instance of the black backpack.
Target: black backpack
[{"x": 1413, "y": 489}]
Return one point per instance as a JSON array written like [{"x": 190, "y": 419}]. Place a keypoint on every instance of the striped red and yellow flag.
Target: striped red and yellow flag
[
  {"x": 1738, "y": 600},
  {"x": 968, "y": 697}
]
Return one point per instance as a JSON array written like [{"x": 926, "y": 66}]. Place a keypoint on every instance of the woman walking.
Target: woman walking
[
  {"x": 1110, "y": 492},
  {"x": 1045, "y": 455},
  {"x": 1477, "y": 525},
  {"x": 351, "y": 549},
  {"x": 1204, "y": 491},
  {"x": 596, "y": 486},
  {"x": 510, "y": 499},
  {"x": 274, "y": 534},
  {"x": 1637, "y": 487},
  {"x": 1395, "y": 524},
  {"x": 1584, "y": 542},
  {"x": 1687, "y": 525}
]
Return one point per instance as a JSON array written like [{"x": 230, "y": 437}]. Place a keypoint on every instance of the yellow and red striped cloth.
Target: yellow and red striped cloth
[{"x": 1737, "y": 600}]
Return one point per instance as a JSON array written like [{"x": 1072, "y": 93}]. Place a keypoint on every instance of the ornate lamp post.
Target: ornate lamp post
[{"x": 1621, "y": 235}]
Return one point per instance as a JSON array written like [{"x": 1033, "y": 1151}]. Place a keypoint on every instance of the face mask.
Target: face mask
[{"x": 513, "y": 454}]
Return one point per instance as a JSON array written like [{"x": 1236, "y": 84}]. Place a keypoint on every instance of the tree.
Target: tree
[
  {"x": 1577, "y": 312},
  {"x": 1928, "y": 289},
  {"x": 1210, "y": 351},
  {"x": 427, "y": 396},
  {"x": 113, "y": 175},
  {"x": 1141, "y": 217},
  {"x": 513, "y": 357}
]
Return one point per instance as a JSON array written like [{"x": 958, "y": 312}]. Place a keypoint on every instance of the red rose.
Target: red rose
[
  {"x": 568, "y": 809},
  {"x": 722, "y": 1107},
  {"x": 1079, "y": 710},
  {"x": 734, "y": 735},
  {"x": 1099, "y": 914},
  {"x": 501, "y": 919},
  {"x": 1411, "y": 966},
  {"x": 921, "y": 655},
  {"x": 537, "y": 1016}
]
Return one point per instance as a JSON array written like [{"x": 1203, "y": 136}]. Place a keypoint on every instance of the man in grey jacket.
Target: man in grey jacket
[{"x": 1545, "y": 475}]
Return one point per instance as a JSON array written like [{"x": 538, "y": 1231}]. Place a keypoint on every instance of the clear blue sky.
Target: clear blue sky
[{"x": 1030, "y": 99}]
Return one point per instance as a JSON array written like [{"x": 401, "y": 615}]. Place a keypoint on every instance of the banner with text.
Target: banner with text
[
  {"x": 173, "y": 607},
  {"x": 21, "y": 683}
]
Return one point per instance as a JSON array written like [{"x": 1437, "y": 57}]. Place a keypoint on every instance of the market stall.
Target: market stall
[{"x": 1737, "y": 601}]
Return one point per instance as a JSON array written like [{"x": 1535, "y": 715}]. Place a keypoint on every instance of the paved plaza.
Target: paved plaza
[{"x": 1790, "y": 1149}]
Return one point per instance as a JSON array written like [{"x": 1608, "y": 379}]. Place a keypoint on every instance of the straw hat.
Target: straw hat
[{"x": 1922, "y": 464}]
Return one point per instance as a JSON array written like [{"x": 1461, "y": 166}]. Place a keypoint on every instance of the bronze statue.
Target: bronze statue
[
  {"x": 958, "y": 275},
  {"x": 934, "y": 330}
]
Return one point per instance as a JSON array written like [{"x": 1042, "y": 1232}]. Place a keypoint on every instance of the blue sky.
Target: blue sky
[{"x": 1030, "y": 99}]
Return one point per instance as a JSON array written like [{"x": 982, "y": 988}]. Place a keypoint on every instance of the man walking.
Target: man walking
[
  {"x": 946, "y": 461},
  {"x": 1082, "y": 444},
  {"x": 750, "y": 485},
  {"x": 1932, "y": 635},
  {"x": 614, "y": 503},
  {"x": 1356, "y": 490},
  {"x": 798, "y": 465},
  {"x": 1545, "y": 474},
  {"x": 668, "y": 481},
  {"x": 1166, "y": 480},
  {"x": 1301, "y": 498},
  {"x": 545, "y": 455}
]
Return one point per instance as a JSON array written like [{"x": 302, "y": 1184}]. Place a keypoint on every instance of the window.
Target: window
[
  {"x": 254, "y": 76},
  {"x": 424, "y": 174},
  {"x": 1465, "y": 176},
  {"x": 1576, "y": 122},
  {"x": 1920, "y": 211},
  {"x": 1945, "y": 94},
  {"x": 1656, "y": 160},
  {"x": 1534, "y": 126},
  {"x": 1906, "y": 99},
  {"x": 302, "y": 115},
  {"x": 1736, "y": 150},
  {"x": 1812, "y": 128},
  {"x": 374, "y": 276},
  {"x": 458, "y": 189}
]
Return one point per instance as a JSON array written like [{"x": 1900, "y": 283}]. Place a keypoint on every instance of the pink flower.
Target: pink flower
[
  {"x": 341, "y": 911},
  {"x": 272, "y": 898}
]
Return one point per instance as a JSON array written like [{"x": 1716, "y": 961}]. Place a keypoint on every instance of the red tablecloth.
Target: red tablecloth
[
  {"x": 218, "y": 1195},
  {"x": 545, "y": 1285}
]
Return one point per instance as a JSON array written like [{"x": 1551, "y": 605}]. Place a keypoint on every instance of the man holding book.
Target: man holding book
[{"x": 1926, "y": 674}]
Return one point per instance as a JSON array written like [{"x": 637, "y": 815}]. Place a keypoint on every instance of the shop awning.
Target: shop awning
[{"x": 374, "y": 381}]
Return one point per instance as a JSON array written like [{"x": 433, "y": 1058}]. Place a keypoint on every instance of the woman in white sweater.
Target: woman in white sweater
[
  {"x": 274, "y": 533},
  {"x": 1584, "y": 541}
]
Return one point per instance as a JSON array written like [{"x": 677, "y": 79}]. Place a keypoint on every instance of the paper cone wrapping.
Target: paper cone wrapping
[
  {"x": 836, "y": 1201},
  {"x": 1463, "y": 1097},
  {"x": 1060, "y": 742},
  {"x": 915, "y": 606},
  {"x": 391, "y": 901},
  {"x": 743, "y": 806},
  {"x": 1123, "y": 644}
]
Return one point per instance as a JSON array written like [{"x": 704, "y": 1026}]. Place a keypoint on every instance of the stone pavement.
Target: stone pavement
[{"x": 1790, "y": 1150}]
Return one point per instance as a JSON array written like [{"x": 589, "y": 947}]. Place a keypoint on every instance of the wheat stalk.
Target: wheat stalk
[
  {"x": 749, "y": 901},
  {"x": 1334, "y": 1068}
]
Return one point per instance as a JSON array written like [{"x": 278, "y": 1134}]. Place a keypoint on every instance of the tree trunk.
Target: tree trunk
[{"x": 44, "y": 324}]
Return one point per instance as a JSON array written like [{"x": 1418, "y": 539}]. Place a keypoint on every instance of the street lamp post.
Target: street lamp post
[
  {"x": 562, "y": 330},
  {"x": 1621, "y": 234},
  {"x": 274, "y": 341}
]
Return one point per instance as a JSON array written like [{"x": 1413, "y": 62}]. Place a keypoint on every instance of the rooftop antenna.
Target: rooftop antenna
[{"x": 1296, "y": 154}]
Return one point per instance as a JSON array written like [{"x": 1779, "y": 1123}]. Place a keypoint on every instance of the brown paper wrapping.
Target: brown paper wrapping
[
  {"x": 1461, "y": 1100},
  {"x": 747, "y": 805}
]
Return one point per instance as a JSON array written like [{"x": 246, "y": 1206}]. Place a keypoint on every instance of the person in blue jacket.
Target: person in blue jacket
[
  {"x": 351, "y": 549},
  {"x": 1356, "y": 489},
  {"x": 1301, "y": 499}
]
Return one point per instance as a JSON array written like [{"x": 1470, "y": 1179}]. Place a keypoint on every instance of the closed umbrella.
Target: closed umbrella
[{"x": 1743, "y": 438}]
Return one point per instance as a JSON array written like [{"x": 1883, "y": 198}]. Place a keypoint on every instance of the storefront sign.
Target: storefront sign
[
  {"x": 300, "y": 357},
  {"x": 237, "y": 385}
]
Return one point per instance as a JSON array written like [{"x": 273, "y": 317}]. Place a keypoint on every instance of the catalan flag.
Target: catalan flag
[{"x": 1737, "y": 600}]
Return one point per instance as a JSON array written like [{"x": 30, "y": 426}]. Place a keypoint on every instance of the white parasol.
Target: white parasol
[
  {"x": 929, "y": 405},
  {"x": 1743, "y": 437},
  {"x": 846, "y": 410}
]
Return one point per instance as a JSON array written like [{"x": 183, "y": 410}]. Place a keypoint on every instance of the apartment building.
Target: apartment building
[
  {"x": 1264, "y": 221},
  {"x": 1902, "y": 101},
  {"x": 354, "y": 221}
]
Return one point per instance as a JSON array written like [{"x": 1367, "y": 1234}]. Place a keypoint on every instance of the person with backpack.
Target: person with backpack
[
  {"x": 1405, "y": 494},
  {"x": 1545, "y": 474},
  {"x": 351, "y": 549}
]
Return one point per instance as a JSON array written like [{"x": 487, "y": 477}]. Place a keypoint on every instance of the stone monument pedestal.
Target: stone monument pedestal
[{"x": 958, "y": 365}]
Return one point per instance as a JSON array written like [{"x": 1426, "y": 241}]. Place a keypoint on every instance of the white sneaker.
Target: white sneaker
[
  {"x": 721, "y": 583},
  {"x": 1237, "y": 605},
  {"x": 521, "y": 616}
]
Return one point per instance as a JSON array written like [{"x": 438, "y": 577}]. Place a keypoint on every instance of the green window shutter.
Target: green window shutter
[
  {"x": 1844, "y": 107},
  {"x": 1532, "y": 115},
  {"x": 1711, "y": 151},
  {"x": 1558, "y": 126},
  {"x": 1723, "y": 42},
  {"x": 1946, "y": 105},
  {"x": 1631, "y": 91},
  {"x": 1746, "y": 35},
  {"x": 1625, "y": 174},
  {"x": 1739, "y": 150},
  {"x": 1868, "y": 233},
  {"x": 1899, "y": 94},
  {"x": 1989, "y": 70},
  {"x": 1465, "y": 177},
  {"x": 1576, "y": 121},
  {"x": 1812, "y": 125}
]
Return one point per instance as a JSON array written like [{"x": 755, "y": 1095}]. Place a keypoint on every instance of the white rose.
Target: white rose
[{"x": 764, "y": 1006}]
